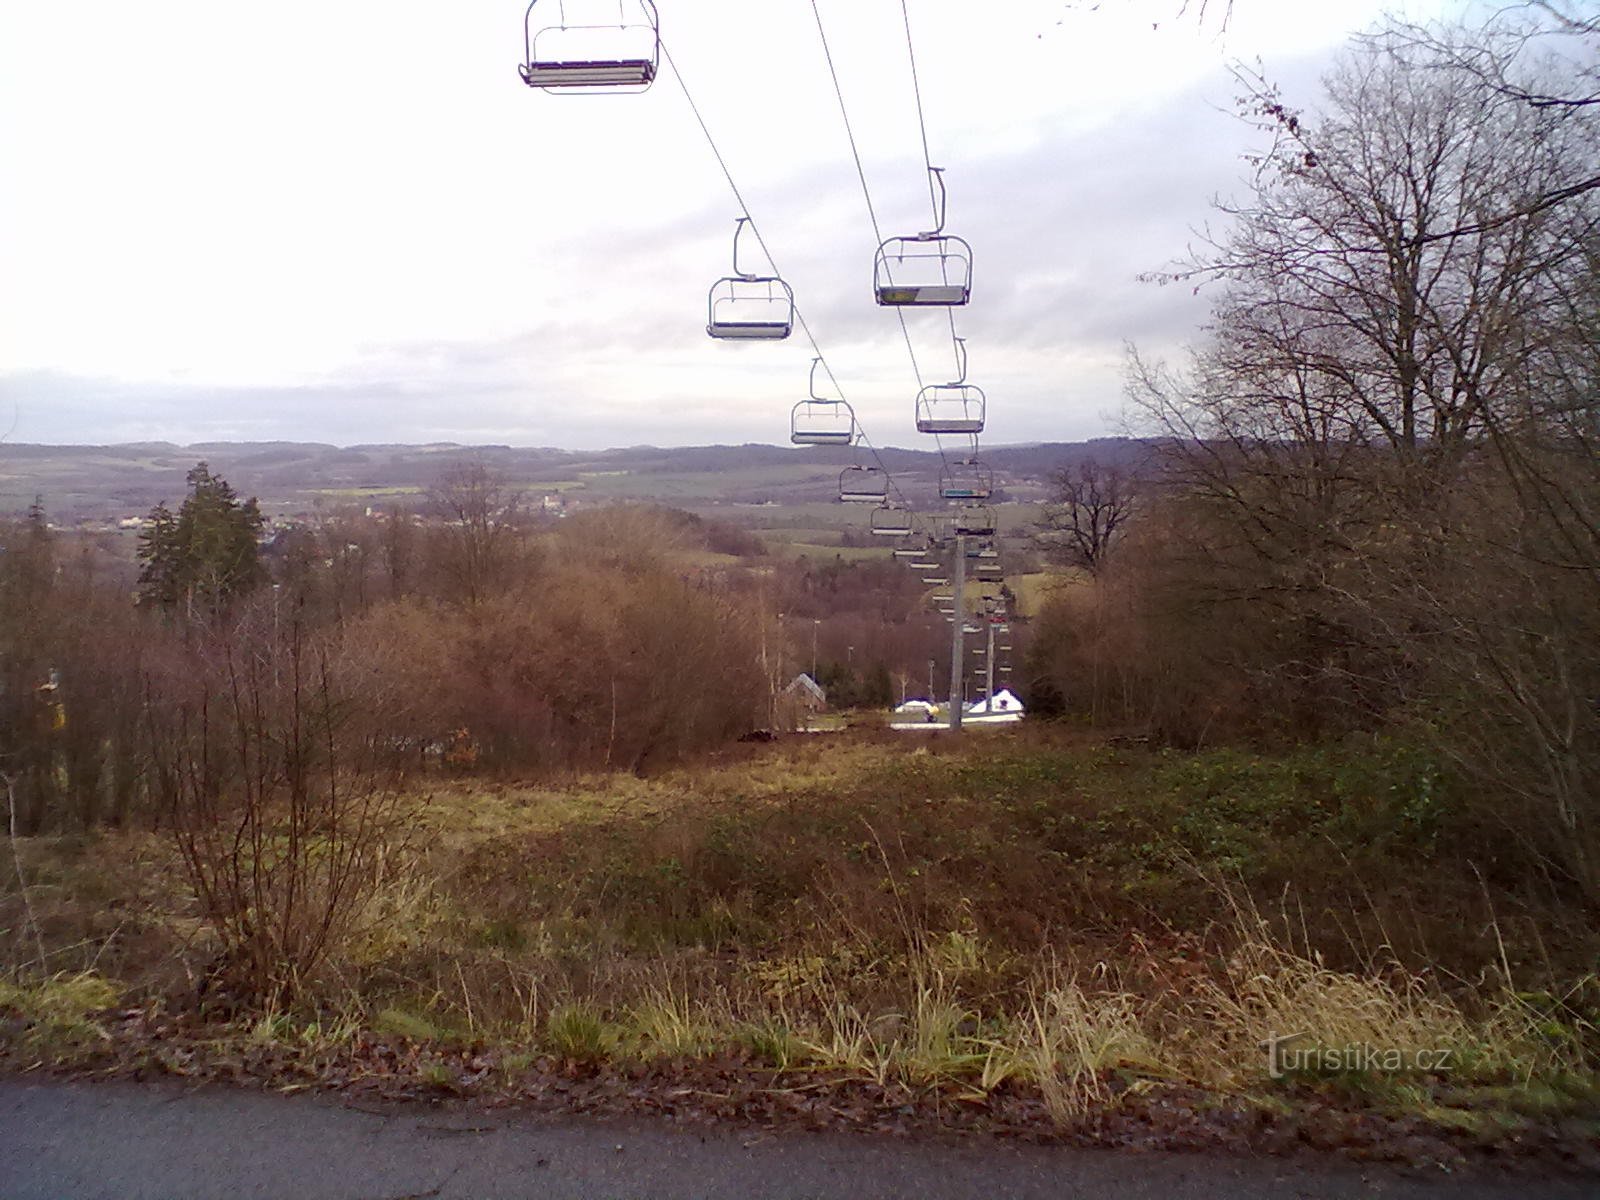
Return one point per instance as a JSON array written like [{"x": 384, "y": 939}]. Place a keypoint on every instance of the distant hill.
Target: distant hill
[{"x": 102, "y": 482}]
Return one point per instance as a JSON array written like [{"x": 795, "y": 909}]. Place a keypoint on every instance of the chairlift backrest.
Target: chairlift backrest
[{"x": 591, "y": 52}]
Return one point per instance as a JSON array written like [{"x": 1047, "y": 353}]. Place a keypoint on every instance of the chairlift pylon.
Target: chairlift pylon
[
  {"x": 591, "y": 55},
  {"x": 818, "y": 421},
  {"x": 924, "y": 269},
  {"x": 748, "y": 306}
]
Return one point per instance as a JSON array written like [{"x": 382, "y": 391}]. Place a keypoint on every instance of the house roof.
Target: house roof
[{"x": 804, "y": 683}]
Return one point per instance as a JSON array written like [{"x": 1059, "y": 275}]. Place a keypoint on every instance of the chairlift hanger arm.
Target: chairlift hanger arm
[
  {"x": 936, "y": 176},
  {"x": 738, "y": 228}
]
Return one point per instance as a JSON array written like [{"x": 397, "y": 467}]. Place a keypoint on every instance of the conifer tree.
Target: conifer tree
[{"x": 208, "y": 552}]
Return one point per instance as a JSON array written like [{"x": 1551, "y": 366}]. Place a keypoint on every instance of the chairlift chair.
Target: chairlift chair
[
  {"x": 925, "y": 269},
  {"x": 818, "y": 421},
  {"x": 950, "y": 408},
  {"x": 863, "y": 485},
  {"x": 892, "y": 522},
  {"x": 966, "y": 479},
  {"x": 589, "y": 54},
  {"x": 748, "y": 306},
  {"x": 975, "y": 520},
  {"x": 954, "y": 407}
]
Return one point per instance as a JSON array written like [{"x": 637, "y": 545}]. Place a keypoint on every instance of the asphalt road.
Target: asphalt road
[{"x": 127, "y": 1141}]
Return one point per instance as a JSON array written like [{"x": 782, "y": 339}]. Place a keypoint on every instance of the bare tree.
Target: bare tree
[
  {"x": 1089, "y": 506},
  {"x": 482, "y": 530},
  {"x": 1382, "y": 458}
]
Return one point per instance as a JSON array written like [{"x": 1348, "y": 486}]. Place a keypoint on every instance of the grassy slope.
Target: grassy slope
[{"x": 1027, "y": 907}]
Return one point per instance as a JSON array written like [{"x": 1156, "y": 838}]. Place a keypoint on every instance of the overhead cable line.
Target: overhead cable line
[
  {"x": 872, "y": 214},
  {"x": 755, "y": 228},
  {"x": 861, "y": 174},
  {"x": 927, "y": 162}
]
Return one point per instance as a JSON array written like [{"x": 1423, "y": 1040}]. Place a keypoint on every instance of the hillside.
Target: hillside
[{"x": 96, "y": 483}]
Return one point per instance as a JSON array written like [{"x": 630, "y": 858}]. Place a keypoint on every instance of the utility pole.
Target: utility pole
[{"x": 958, "y": 641}]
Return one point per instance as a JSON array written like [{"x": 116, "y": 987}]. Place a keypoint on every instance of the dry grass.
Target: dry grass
[{"x": 960, "y": 918}]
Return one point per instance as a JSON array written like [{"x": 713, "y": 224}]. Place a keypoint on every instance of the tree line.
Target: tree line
[{"x": 1372, "y": 502}]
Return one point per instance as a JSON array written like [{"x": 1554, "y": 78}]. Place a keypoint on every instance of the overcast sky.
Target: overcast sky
[{"x": 350, "y": 222}]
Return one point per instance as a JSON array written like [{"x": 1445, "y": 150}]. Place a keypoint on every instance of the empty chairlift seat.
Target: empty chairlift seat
[
  {"x": 950, "y": 408},
  {"x": 820, "y": 421},
  {"x": 863, "y": 485},
  {"x": 887, "y": 521},
  {"x": 593, "y": 46},
  {"x": 967, "y": 479},
  {"x": 925, "y": 269},
  {"x": 975, "y": 520},
  {"x": 748, "y": 306}
]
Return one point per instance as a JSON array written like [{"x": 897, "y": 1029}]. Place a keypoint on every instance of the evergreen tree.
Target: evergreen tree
[{"x": 208, "y": 553}]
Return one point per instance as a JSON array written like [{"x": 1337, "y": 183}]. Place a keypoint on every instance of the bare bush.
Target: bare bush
[{"x": 280, "y": 800}]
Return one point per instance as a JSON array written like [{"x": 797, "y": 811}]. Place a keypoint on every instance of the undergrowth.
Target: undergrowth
[{"x": 1005, "y": 913}]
